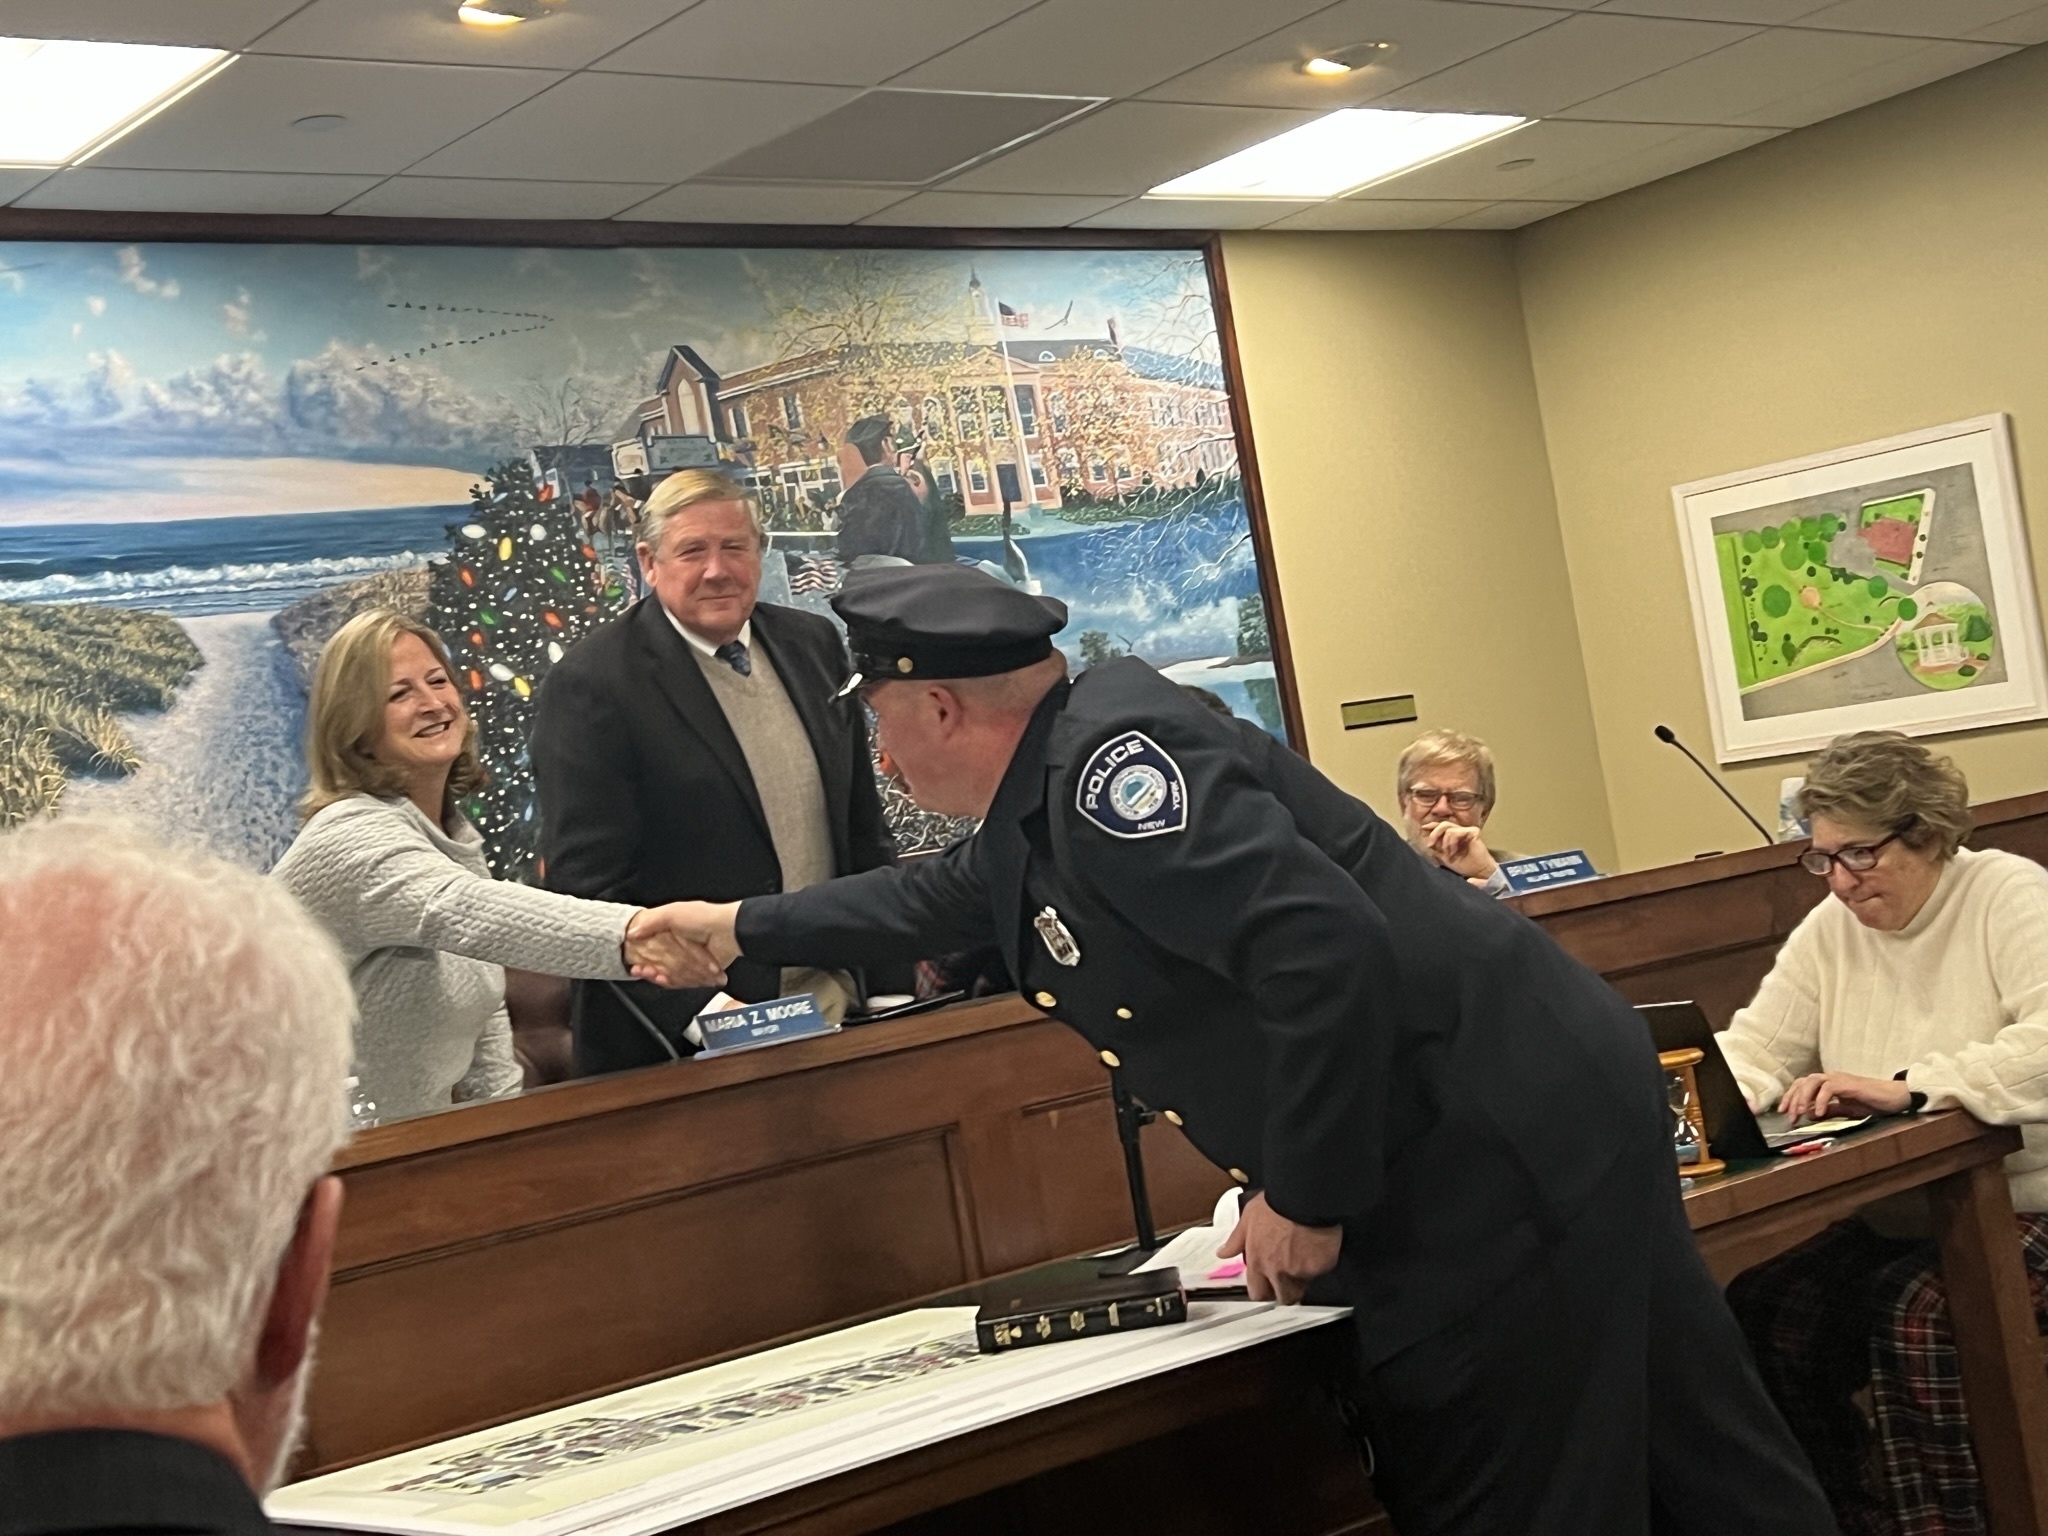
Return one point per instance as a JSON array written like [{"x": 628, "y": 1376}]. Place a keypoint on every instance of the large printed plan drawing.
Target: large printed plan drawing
[
  {"x": 1810, "y": 585},
  {"x": 657, "y": 1456}
]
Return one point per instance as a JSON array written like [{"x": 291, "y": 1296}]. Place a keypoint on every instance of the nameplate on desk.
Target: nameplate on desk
[
  {"x": 756, "y": 1024},
  {"x": 1569, "y": 868}
]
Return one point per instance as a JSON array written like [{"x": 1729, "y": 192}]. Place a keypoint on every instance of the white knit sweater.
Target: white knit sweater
[
  {"x": 425, "y": 931},
  {"x": 1958, "y": 998}
]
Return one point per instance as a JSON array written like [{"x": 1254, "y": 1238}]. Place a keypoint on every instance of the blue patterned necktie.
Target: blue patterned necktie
[{"x": 734, "y": 654}]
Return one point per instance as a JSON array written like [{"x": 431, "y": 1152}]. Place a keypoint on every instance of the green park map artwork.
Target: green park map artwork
[{"x": 1817, "y": 590}]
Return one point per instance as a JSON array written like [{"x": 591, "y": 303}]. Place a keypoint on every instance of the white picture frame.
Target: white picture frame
[{"x": 1884, "y": 586}]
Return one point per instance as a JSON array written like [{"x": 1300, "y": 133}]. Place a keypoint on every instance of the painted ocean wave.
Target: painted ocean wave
[{"x": 195, "y": 590}]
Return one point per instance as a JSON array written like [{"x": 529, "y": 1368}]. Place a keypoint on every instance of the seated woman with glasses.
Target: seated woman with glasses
[
  {"x": 1923, "y": 984},
  {"x": 1445, "y": 785}
]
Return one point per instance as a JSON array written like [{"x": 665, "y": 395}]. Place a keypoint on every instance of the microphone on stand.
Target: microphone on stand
[
  {"x": 1670, "y": 738},
  {"x": 1131, "y": 1118}
]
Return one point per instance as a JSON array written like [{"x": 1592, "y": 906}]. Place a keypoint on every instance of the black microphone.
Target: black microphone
[{"x": 1670, "y": 738}]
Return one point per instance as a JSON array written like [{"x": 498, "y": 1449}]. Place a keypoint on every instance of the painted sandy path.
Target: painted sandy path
[{"x": 220, "y": 767}]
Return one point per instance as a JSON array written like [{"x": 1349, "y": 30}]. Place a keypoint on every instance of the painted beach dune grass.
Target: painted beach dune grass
[{"x": 66, "y": 671}]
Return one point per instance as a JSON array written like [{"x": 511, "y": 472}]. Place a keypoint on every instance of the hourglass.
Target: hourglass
[{"x": 1688, "y": 1123}]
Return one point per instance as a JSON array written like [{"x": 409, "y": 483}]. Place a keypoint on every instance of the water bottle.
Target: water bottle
[{"x": 362, "y": 1109}]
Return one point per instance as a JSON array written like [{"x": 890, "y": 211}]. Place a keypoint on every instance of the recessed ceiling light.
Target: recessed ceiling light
[
  {"x": 502, "y": 13},
  {"x": 1342, "y": 61},
  {"x": 61, "y": 100},
  {"x": 1339, "y": 152}
]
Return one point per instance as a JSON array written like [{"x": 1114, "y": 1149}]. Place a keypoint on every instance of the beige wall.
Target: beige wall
[
  {"x": 1873, "y": 274},
  {"x": 1399, "y": 444}
]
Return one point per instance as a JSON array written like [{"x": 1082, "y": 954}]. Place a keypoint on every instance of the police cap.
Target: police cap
[{"x": 942, "y": 621}]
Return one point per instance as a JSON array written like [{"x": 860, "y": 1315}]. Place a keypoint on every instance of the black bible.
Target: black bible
[{"x": 1082, "y": 1310}]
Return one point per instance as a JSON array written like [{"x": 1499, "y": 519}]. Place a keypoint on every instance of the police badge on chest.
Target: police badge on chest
[{"x": 1059, "y": 943}]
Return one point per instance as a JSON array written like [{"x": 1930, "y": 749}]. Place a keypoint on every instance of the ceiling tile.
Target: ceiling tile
[
  {"x": 426, "y": 32},
  {"x": 1782, "y": 78},
  {"x": 240, "y": 120},
  {"x": 1416, "y": 213},
  {"x": 191, "y": 23},
  {"x": 1917, "y": 18},
  {"x": 194, "y": 191},
  {"x": 2028, "y": 27},
  {"x": 991, "y": 210},
  {"x": 1580, "y": 57},
  {"x": 1089, "y": 48},
  {"x": 1428, "y": 35},
  {"x": 452, "y": 197},
  {"x": 632, "y": 128},
  {"x": 730, "y": 203},
  {"x": 1194, "y": 213},
  {"x": 1557, "y": 148},
  {"x": 1761, "y": 12},
  {"x": 848, "y": 42},
  {"x": 906, "y": 137},
  {"x": 1127, "y": 148},
  {"x": 1508, "y": 215},
  {"x": 1830, "y": 98},
  {"x": 1651, "y": 162},
  {"x": 15, "y": 180}
]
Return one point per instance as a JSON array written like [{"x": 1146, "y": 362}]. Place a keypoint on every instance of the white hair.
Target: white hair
[{"x": 174, "y": 1048}]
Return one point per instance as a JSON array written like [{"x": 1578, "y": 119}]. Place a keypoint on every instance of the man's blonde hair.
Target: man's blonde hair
[
  {"x": 345, "y": 717},
  {"x": 1453, "y": 747},
  {"x": 687, "y": 488},
  {"x": 174, "y": 1045}
]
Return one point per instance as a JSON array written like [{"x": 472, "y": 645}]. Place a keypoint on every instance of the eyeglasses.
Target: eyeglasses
[
  {"x": 1858, "y": 860},
  {"x": 1423, "y": 797}
]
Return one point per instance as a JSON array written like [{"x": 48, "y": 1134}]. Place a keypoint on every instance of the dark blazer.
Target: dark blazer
[
  {"x": 646, "y": 797},
  {"x": 120, "y": 1482},
  {"x": 880, "y": 514},
  {"x": 1325, "y": 1014}
]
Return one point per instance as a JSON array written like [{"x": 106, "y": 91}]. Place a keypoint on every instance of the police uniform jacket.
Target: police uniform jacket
[{"x": 1279, "y": 974}]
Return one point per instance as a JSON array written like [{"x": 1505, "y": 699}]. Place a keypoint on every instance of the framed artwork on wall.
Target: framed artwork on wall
[
  {"x": 220, "y": 446},
  {"x": 1886, "y": 586}
]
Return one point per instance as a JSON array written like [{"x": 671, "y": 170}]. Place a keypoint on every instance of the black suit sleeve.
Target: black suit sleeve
[
  {"x": 589, "y": 803},
  {"x": 924, "y": 907},
  {"x": 1242, "y": 893}
]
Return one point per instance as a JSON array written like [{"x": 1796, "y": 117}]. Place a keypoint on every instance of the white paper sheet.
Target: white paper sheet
[{"x": 681, "y": 1449}]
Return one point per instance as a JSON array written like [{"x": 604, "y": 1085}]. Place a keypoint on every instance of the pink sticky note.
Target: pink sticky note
[{"x": 1227, "y": 1271}]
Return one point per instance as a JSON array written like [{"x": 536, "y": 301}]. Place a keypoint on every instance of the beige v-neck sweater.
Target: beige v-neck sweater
[{"x": 1958, "y": 999}]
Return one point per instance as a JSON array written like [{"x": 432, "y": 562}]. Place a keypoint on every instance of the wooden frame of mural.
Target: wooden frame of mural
[{"x": 1064, "y": 388}]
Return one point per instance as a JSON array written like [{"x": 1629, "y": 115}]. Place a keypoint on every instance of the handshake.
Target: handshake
[{"x": 684, "y": 944}]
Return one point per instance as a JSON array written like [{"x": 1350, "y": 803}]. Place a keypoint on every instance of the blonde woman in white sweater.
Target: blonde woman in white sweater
[
  {"x": 395, "y": 872},
  {"x": 1921, "y": 984}
]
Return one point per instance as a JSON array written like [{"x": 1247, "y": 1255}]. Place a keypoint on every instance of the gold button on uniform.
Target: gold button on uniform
[
  {"x": 1111, "y": 1059},
  {"x": 1169, "y": 1117},
  {"x": 1123, "y": 1013},
  {"x": 1046, "y": 1000},
  {"x": 1240, "y": 1175}
]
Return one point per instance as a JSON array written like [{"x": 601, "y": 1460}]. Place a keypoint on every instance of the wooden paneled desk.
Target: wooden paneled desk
[{"x": 1757, "y": 1212}]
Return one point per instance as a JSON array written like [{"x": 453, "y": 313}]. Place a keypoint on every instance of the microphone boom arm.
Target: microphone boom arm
[{"x": 1669, "y": 737}]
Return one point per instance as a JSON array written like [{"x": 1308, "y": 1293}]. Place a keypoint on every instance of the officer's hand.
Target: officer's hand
[
  {"x": 1280, "y": 1256},
  {"x": 1461, "y": 849},
  {"x": 706, "y": 928}
]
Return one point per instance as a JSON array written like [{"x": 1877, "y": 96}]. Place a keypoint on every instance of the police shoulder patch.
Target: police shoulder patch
[{"x": 1132, "y": 788}]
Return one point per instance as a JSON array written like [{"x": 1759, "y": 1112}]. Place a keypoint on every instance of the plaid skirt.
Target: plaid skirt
[{"x": 1851, "y": 1309}]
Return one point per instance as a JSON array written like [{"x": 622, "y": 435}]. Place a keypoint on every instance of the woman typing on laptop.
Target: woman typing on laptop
[{"x": 1922, "y": 985}]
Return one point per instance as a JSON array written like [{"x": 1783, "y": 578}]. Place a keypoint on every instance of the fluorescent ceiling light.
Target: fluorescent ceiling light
[
  {"x": 61, "y": 99},
  {"x": 1339, "y": 153}
]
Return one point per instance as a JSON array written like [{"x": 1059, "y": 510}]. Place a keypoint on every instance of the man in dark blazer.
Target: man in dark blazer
[
  {"x": 692, "y": 746},
  {"x": 1438, "y": 1117}
]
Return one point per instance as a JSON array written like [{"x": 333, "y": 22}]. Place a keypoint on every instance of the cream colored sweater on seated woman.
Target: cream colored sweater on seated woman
[
  {"x": 425, "y": 931},
  {"x": 1958, "y": 999}
]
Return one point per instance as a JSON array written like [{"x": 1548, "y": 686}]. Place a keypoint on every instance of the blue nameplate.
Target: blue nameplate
[
  {"x": 1526, "y": 875},
  {"x": 769, "y": 1023}
]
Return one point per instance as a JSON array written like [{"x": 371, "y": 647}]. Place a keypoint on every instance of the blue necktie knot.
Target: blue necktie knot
[{"x": 734, "y": 654}]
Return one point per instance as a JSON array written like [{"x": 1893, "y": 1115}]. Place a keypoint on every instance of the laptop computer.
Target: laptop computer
[{"x": 1733, "y": 1131}]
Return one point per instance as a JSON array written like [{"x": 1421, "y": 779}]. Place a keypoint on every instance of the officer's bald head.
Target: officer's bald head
[{"x": 951, "y": 739}]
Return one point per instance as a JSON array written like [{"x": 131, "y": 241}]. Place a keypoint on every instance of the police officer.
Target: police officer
[{"x": 1439, "y": 1118}]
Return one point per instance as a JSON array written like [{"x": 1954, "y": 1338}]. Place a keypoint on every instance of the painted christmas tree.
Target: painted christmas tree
[{"x": 520, "y": 584}]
